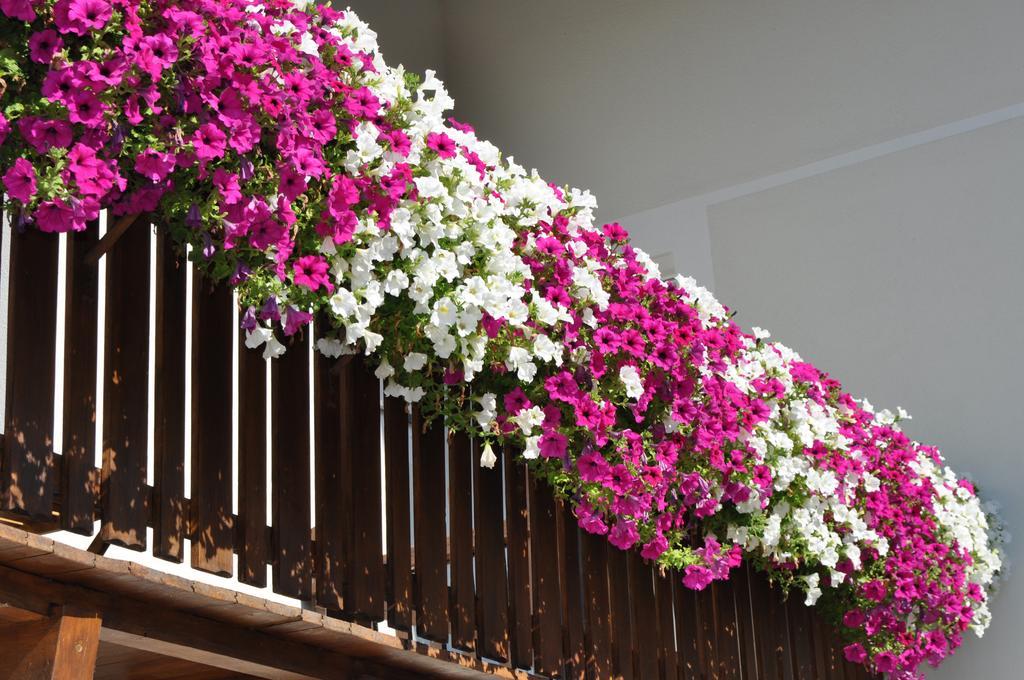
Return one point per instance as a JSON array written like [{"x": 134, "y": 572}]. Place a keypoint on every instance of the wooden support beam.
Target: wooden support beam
[
  {"x": 112, "y": 236},
  {"x": 61, "y": 647}
]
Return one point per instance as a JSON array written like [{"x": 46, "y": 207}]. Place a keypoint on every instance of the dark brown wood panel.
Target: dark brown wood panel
[
  {"x": 641, "y": 587},
  {"x": 28, "y": 483},
  {"x": 621, "y": 613},
  {"x": 364, "y": 596},
  {"x": 801, "y": 638},
  {"x": 492, "y": 576},
  {"x": 79, "y": 483},
  {"x": 666, "y": 624},
  {"x": 291, "y": 568},
  {"x": 596, "y": 596},
  {"x": 211, "y": 521},
  {"x": 170, "y": 523},
  {"x": 332, "y": 393},
  {"x": 691, "y": 663},
  {"x": 460, "y": 517},
  {"x": 745, "y": 622},
  {"x": 547, "y": 594},
  {"x": 397, "y": 478},
  {"x": 727, "y": 638},
  {"x": 431, "y": 563},
  {"x": 253, "y": 546},
  {"x": 126, "y": 390},
  {"x": 573, "y": 606},
  {"x": 520, "y": 587},
  {"x": 707, "y": 641}
]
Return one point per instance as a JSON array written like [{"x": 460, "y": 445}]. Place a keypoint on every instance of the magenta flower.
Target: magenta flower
[
  {"x": 655, "y": 547},
  {"x": 18, "y": 9},
  {"x": 5, "y": 128},
  {"x": 362, "y": 103},
  {"x": 20, "y": 180},
  {"x": 624, "y": 534},
  {"x": 57, "y": 217},
  {"x": 43, "y": 45},
  {"x": 295, "y": 319},
  {"x": 209, "y": 142},
  {"x": 855, "y": 653},
  {"x": 310, "y": 271},
  {"x": 91, "y": 14},
  {"x": 400, "y": 142},
  {"x": 156, "y": 52},
  {"x": 228, "y": 186},
  {"x": 442, "y": 144},
  {"x": 86, "y": 108},
  {"x": 697, "y": 577},
  {"x": 154, "y": 165},
  {"x": 885, "y": 662},
  {"x": 553, "y": 444}
]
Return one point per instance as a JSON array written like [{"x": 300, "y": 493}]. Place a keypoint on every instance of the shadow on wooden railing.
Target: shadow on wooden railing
[{"x": 485, "y": 562}]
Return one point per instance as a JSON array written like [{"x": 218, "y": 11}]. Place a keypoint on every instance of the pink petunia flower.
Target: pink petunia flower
[
  {"x": 86, "y": 108},
  {"x": 90, "y": 14},
  {"x": 57, "y": 217},
  {"x": 43, "y": 45},
  {"x": 442, "y": 144},
  {"x": 20, "y": 180},
  {"x": 310, "y": 271},
  {"x": 855, "y": 653},
  {"x": 553, "y": 444},
  {"x": 209, "y": 142},
  {"x": 18, "y": 9},
  {"x": 154, "y": 165}
]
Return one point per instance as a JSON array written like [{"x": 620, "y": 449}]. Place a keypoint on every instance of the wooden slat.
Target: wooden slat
[
  {"x": 621, "y": 614},
  {"x": 599, "y": 634},
  {"x": 691, "y": 663},
  {"x": 292, "y": 572},
  {"x": 253, "y": 546},
  {"x": 666, "y": 626},
  {"x": 126, "y": 388},
  {"x": 834, "y": 661},
  {"x": 518, "y": 520},
  {"x": 399, "y": 567},
  {"x": 211, "y": 521},
  {"x": 645, "y": 615},
  {"x": 726, "y": 633},
  {"x": 431, "y": 564},
  {"x": 820, "y": 645},
  {"x": 745, "y": 630},
  {"x": 771, "y": 630},
  {"x": 461, "y": 466},
  {"x": 492, "y": 577},
  {"x": 333, "y": 478},
  {"x": 800, "y": 637},
  {"x": 169, "y": 522},
  {"x": 364, "y": 595},
  {"x": 79, "y": 483},
  {"x": 547, "y": 595},
  {"x": 706, "y": 632},
  {"x": 28, "y": 483},
  {"x": 573, "y": 606}
]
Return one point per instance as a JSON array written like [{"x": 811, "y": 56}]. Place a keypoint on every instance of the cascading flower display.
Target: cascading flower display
[{"x": 323, "y": 184}]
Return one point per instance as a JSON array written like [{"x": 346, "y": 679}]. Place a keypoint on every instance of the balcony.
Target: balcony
[{"x": 348, "y": 539}]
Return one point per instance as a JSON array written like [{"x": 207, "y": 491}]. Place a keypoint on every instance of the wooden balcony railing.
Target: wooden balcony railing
[{"x": 484, "y": 564}]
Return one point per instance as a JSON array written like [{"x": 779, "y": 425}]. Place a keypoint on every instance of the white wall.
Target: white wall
[
  {"x": 409, "y": 32},
  {"x": 647, "y": 102}
]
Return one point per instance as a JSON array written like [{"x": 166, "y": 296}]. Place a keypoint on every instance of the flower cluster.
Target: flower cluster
[{"x": 330, "y": 188}]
